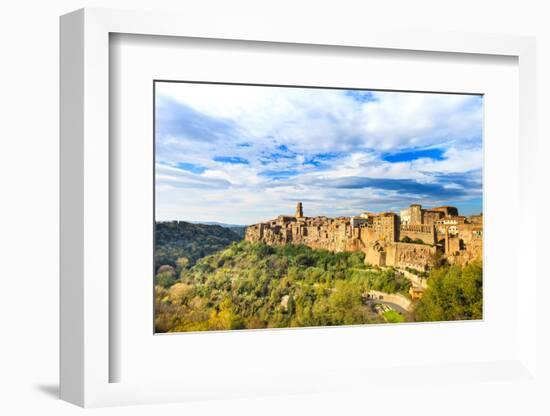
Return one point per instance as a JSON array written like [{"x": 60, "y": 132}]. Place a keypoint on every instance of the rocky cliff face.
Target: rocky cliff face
[{"x": 334, "y": 234}]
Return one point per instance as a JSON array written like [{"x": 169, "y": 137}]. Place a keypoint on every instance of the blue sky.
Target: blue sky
[{"x": 243, "y": 154}]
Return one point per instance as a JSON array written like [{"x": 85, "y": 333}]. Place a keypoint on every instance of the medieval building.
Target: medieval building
[{"x": 409, "y": 240}]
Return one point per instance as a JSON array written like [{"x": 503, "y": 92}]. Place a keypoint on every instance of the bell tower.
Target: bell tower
[{"x": 299, "y": 210}]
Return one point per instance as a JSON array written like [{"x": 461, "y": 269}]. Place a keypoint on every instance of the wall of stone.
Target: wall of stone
[
  {"x": 415, "y": 212},
  {"x": 375, "y": 254},
  {"x": 470, "y": 237},
  {"x": 319, "y": 233},
  {"x": 415, "y": 256},
  {"x": 426, "y": 233},
  {"x": 430, "y": 217},
  {"x": 447, "y": 211},
  {"x": 453, "y": 245}
]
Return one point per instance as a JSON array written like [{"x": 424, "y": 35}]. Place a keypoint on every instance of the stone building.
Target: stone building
[
  {"x": 416, "y": 215},
  {"x": 385, "y": 238}
]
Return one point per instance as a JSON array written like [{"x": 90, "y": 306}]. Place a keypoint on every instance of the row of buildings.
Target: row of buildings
[{"x": 410, "y": 239}]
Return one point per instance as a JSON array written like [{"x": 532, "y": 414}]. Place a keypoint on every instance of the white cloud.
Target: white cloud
[
  {"x": 405, "y": 120},
  {"x": 285, "y": 139}
]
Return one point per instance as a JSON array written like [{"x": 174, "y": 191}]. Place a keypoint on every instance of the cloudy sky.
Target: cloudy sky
[{"x": 243, "y": 154}]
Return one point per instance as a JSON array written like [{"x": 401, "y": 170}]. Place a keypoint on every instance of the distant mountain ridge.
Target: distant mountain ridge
[
  {"x": 175, "y": 239},
  {"x": 221, "y": 224},
  {"x": 238, "y": 229}
]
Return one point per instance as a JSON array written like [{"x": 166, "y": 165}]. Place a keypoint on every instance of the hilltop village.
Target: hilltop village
[{"x": 411, "y": 239}]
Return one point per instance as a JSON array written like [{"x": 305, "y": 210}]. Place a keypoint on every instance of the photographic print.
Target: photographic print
[{"x": 284, "y": 206}]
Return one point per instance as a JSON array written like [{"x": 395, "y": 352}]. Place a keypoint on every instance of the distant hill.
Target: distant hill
[
  {"x": 221, "y": 224},
  {"x": 176, "y": 239},
  {"x": 238, "y": 229}
]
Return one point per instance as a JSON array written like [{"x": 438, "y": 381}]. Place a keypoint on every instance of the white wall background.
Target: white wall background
[{"x": 29, "y": 56}]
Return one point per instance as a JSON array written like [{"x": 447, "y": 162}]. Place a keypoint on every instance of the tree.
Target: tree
[
  {"x": 180, "y": 293},
  {"x": 182, "y": 263},
  {"x": 346, "y": 304},
  {"x": 166, "y": 276},
  {"x": 454, "y": 293}
]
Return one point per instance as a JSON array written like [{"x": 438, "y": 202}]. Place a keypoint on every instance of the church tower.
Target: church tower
[{"x": 299, "y": 210}]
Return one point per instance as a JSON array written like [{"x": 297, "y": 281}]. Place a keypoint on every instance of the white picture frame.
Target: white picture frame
[{"x": 85, "y": 211}]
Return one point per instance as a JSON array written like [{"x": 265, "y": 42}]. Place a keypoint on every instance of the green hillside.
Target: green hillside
[
  {"x": 177, "y": 239},
  {"x": 258, "y": 286},
  {"x": 247, "y": 286}
]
